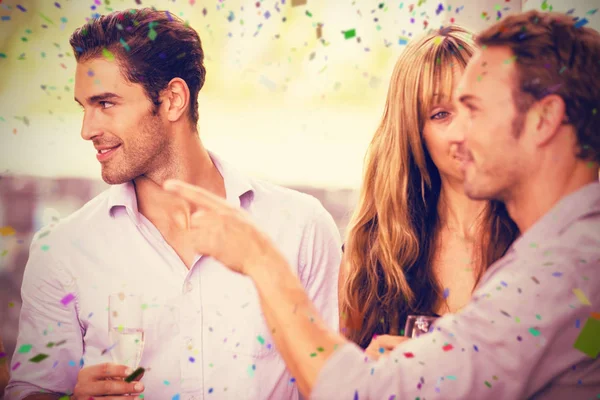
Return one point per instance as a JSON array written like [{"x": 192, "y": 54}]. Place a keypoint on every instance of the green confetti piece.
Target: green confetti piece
[
  {"x": 588, "y": 341},
  {"x": 313, "y": 354},
  {"x": 488, "y": 384},
  {"x": 261, "y": 339},
  {"x": 534, "y": 332},
  {"x": 308, "y": 13},
  {"x": 320, "y": 349},
  {"x": 2, "y": 55},
  {"x": 251, "y": 369},
  {"x": 538, "y": 316},
  {"x": 44, "y": 234},
  {"x": 26, "y": 348},
  {"x": 350, "y": 34},
  {"x": 152, "y": 34},
  {"x": 451, "y": 377},
  {"x": 64, "y": 398},
  {"x": 45, "y": 247},
  {"x": 38, "y": 358},
  {"x": 46, "y": 18},
  {"x": 107, "y": 54}
]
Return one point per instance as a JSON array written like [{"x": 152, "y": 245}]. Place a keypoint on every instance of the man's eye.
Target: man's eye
[
  {"x": 440, "y": 115},
  {"x": 106, "y": 104}
]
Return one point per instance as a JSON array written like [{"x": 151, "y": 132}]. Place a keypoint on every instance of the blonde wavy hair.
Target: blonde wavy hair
[{"x": 392, "y": 235}]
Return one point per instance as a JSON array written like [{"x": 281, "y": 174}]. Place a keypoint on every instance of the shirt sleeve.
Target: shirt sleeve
[
  {"x": 320, "y": 258},
  {"x": 510, "y": 342},
  {"x": 50, "y": 340}
]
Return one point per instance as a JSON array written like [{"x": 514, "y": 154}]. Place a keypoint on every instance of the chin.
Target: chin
[{"x": 115, "y": 178}]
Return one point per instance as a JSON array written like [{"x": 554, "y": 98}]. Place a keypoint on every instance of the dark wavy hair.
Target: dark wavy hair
[{"x": 152, "y": 47}]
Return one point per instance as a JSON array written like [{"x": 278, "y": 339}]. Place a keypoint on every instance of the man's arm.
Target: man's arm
[
  {"x": 48, "y": 327},
  {"x": 507, "y": 343}
]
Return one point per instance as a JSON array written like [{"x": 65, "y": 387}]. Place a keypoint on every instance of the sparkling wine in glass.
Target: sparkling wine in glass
[
  {"x": 126, "y": 329},
  {"x": 417, "y": 325}
]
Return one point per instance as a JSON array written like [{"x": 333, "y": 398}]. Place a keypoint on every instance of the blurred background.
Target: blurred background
[{"x": 294, "y": 92}]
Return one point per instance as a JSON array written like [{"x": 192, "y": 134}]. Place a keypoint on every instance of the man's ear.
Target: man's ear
[
  {"x": 176, "y": 99},
  {"x": 549, "y": 113}
]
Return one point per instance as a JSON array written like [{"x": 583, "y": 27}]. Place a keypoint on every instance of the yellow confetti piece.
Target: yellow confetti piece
[
  {"x": 581, "y": 297},
  {"x": 7, "y": 231}
]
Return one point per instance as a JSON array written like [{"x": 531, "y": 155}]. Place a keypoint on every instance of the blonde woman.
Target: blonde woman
[{"x": 416, "y": 243}]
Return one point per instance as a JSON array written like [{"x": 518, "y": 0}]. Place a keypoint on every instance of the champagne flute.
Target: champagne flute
[
  {"x": 417, "y": 325},
  {"x": 126, "y": 329}
]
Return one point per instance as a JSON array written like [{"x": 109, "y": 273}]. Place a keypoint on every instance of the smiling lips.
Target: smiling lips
[{"x": 106, "y": 152}]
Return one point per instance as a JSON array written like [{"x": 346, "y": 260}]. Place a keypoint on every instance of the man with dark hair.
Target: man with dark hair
[
  {"x": 528, "y": 126},
  {"x": 137, "y": 80}
]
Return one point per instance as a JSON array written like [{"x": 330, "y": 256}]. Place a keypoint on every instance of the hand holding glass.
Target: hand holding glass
[
  {"x": 417, "y": 325},
  {"x": 126, "y": 329}
]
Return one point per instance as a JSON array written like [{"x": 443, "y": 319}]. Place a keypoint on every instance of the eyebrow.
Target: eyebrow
[
  {"x": 468, "y": 97},
  {"x": 100, "y": 97}
]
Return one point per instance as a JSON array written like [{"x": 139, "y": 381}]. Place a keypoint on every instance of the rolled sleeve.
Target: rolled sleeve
[
  {"x": 50, "y": 340},
  {"x": 320, "y": 258}
]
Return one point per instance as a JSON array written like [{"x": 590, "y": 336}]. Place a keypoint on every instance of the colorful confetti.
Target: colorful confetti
[
  {"x": 588, "y": 341},
  {"x": 581, "y": 297},
  {"x": 67, "y": 299},
  {"x": 38, "y": 358}
]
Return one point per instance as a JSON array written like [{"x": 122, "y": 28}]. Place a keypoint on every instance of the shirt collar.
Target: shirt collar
[
  {"x": 238, "y": 188},
  {"x": 574, "y": 206}
]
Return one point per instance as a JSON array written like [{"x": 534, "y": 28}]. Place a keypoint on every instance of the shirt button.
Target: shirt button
[{"x": 188, "y": 286}]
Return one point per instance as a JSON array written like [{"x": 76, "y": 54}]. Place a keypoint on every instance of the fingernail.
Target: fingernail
[
  {"x": 128, "y": 371},
  {"x": 139, "y": 386}
]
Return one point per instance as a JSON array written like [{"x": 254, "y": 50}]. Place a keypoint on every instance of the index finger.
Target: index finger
[{"x": 195, "y": 194}]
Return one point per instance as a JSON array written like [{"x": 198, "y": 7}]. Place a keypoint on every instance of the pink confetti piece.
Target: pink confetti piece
[
  {"x": 67, "y": 299},
  {"x": 447, "y": 347},
  {"x": 409, "y": 355},
  {"x": 16, "y": 366}
]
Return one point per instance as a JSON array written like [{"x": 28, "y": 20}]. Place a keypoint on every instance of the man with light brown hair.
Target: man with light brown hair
[{"x": 528, "y": 126}]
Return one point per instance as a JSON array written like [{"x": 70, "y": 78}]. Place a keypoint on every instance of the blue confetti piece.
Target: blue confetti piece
[
  {"x": 5, "y": 18},
  {"x": 581, "y": 22},
  {"x": 557, "y": 274},
  {"x": 577, "y": 323},
  {"x": 72, "y": 363},
  {"x": 476, "y": 348},
  {"x": 446, "y": 293},
  {"x": 20, "y": 7},
  {"x": 176, "y": 397},
  {"x": 210, "y": 390},
  {"x": 169, "y": 16},
  {"x": 356, "y": 395}
]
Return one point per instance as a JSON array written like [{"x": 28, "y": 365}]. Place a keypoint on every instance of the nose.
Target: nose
[
  {"x": 457, "y": 128},
  {"x": 90, "y": 127}
]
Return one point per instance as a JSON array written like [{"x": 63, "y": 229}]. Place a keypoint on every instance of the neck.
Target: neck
[
  {"x": 457, "y": 211},
  {"x": 187, "y": 160},
  {"x": 530, "y": 202}
]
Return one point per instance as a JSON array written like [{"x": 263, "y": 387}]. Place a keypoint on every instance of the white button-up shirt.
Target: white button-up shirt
[{"x": 205, "y": 334}]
